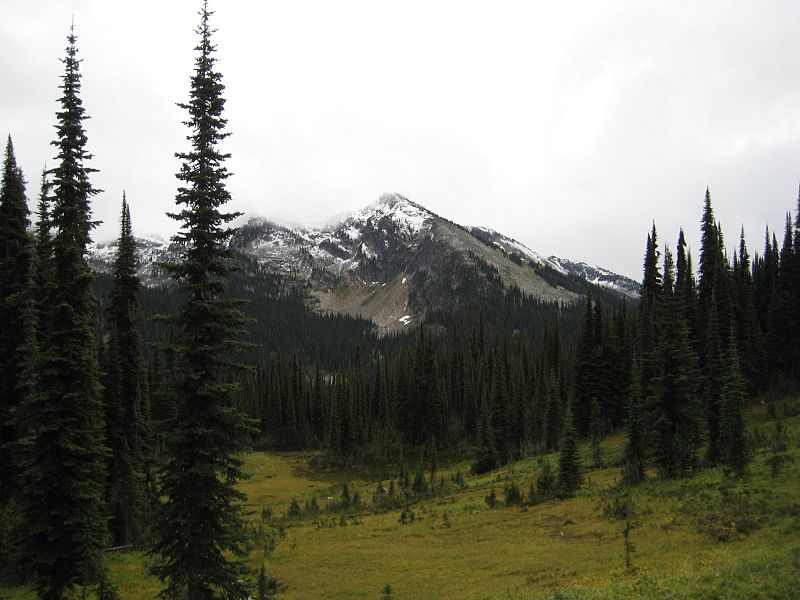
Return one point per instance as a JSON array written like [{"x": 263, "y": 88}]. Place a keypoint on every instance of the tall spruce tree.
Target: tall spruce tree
[
  {"x": 16, "y": 253},
  {"x": 674, "y": 409},
  {"x": 43, "y": 253},
  {"x": 126, "y": 424},
  {"x": 733, "y": 442},
  {"x": 635, "y": 456},
  {"x": 62, "y": 454},
  {"x": 712, "y": 383},
  {"x": 569, "y": 460},
  {"x": 710, "y": 250},
  {"x": 200, "y": 532}
]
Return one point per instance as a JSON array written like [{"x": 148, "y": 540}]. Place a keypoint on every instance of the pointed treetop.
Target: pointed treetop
[{"x": 797, "y": 226}]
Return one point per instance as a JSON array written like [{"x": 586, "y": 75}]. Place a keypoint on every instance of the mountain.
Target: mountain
[{"x": 393, "y": 261}]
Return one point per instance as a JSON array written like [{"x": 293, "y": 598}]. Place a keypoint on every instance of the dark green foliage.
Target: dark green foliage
[
  {"x": 265, "y": 586},
  {"x": 674, "y": 407},
  {"x": 712, "y": 383},
  {"x": 125, "y": 403},
  {"x": 420, "y": 486},
  {"x": 779, "y": 446},
  {"x": 16, "y": 259},
  {"x": 62, "y": 453},
  {"x": 569, "y": 462},
  {"x": 491, "y": 499},
  {"x": 596, "y": 432},
  {"x": 386, "y": 593},
  {"x": 633, "y": 470},
  {"x": 545, "y": 484},
  {"x": 261, "y": 585},
  {"x": 200, "y": 533},
  {"x": 620, "y": 505},
  {"x": 406, "y": 515},
  {"x": 512, "y": 495},
  {"x": 294, "y": 510},
  {"x": 485, "y": 455},
  {"x": 733, "y": 445}
]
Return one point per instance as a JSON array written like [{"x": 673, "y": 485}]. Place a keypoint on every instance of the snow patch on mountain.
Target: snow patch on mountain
[
  {"x": 600, "y": 276},
  {"x": 511, "y": 246}
]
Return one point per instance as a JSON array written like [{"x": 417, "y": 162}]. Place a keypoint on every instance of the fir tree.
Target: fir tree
[
  {"x": 633, "y": 471},
  {"x": 674, "y": 408},
  {"x": 596, "y": 432},
  {"x": 569, "y": 466},
  {"x": 63, "y": 453},
  {"x": 486, "y": 456},
  {"x": 733, "y": 442},
  {"x": 263, "y": 591},
  {"x": 712, "y": 383},
  {"x": 419, "y": 487},
  {"x": 43, "y": 252},
  {"x": 126, "y": 424},
  {"x": 15, "y": 270},
  {"x": 200, "y": 532}
]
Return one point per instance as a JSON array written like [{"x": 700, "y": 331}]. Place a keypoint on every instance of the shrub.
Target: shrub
[
  {"x": 491, "y": 499},
  {"x": 513, "y": 495}
]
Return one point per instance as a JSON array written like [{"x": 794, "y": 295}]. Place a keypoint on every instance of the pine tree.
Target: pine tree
[
  {"x": 782, "y": 323},
  {"x": 633, "y": 471},
  {"x": 748, "y": 335},
  {"x": 552, "y": 410},
  {"x": 710, "y": 252},
  {"x": 712, "y": 383},
  {"x": 486, "y": 456},
  {"x": 733, "y": 442},
  {"x": 674, "y": 409},
  {"x": 649, "y": 326},
  {"x": 62, "y": 460},
  {"x": 569, "y": 466},
  {"x": 15, "y": 270},
  {"x": 43, "y": 254},
  {"x": 126, "y": 424},
  {"x": 794, "y": 287},
  {"x": 586, "y": 367},
  {"x": 596, "y": 432},
  {"x": 200, "y": 532},
  {"x": 684, "y": 282},
  {"x": 263, "y": 591}
]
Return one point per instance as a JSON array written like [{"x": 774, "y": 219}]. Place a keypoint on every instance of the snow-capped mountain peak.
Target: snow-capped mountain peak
[
  {"x": 409, "y": 216},
  {"x": 391, "y": 261}
]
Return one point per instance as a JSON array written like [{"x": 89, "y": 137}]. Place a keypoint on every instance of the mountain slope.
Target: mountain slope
[{"x": 394, "y": 260}]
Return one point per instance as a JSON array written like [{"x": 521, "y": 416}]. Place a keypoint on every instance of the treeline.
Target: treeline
[
  {"x": 704, "y": 345},
  {"x": 492, "y": 378},
  {"x": 281, "y": 310}
]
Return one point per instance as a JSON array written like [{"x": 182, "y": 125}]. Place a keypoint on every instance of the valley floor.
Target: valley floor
[{"x": 703, "y": 537}]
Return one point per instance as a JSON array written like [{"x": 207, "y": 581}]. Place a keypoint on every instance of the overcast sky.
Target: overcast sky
[{"x": 567, "y": 125}]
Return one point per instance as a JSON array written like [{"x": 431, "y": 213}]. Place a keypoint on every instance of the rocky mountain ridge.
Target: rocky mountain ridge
[{"x": 392, "y": 261}]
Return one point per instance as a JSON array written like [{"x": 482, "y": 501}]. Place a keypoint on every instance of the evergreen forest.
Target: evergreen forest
[{"x": 131, "y": 416}]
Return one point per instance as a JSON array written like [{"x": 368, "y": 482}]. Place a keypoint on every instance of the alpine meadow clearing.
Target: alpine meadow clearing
[{"x": 708, "y": 536}]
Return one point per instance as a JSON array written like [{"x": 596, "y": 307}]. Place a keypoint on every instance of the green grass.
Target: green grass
[{"x": 703, "y": 537}]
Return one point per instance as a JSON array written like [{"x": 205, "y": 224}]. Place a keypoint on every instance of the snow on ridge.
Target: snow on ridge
[
  {"x": 510, "y": 244},
  {"x": 409, "y": 215}
]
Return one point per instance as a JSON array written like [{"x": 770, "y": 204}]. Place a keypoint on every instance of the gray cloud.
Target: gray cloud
[{"x": 570, "y": 126}]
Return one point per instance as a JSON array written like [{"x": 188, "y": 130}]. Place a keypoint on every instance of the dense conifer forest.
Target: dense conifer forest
[{"x": 126, "y": 410}]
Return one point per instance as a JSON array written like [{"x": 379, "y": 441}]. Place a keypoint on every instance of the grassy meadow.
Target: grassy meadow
[{"x": 702, "y": 537}]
